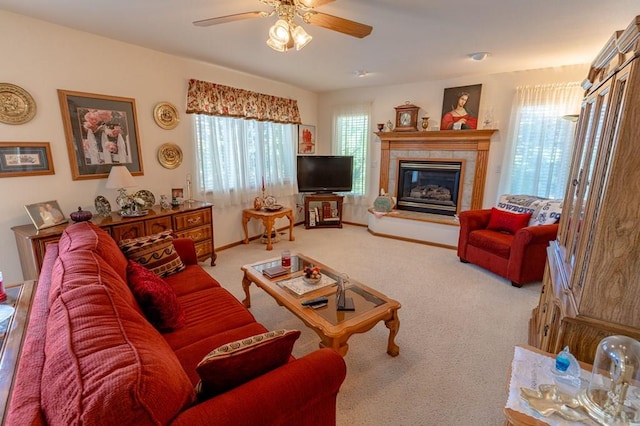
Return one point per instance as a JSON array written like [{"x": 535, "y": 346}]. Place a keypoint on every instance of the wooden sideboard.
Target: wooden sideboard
[{"x": 191, "y": 220}]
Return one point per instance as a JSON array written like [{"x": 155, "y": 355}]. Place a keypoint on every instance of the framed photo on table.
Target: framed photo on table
[
  {"x": 45, "y": 214},
  {"x": 101, "y": 131},
  {"x": 25, "y": 159},
  {"x": 306, "y": 139}
]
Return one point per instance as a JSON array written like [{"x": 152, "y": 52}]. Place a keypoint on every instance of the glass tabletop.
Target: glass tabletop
[{"x": 363, "y": 299}]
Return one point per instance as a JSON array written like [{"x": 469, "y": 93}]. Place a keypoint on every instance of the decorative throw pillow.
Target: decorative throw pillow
[
  {"x": 156, "y": 298},
  {"x": 548, "y": 212},
  {"x": 507, "y": 222},
  {"x": 235, "y": 363},
  {"x": 521, "y": 204},
  {"x": 154, "y": 252}
]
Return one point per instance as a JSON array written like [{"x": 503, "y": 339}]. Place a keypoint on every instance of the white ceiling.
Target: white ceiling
[{"x": 412, "y": 40}]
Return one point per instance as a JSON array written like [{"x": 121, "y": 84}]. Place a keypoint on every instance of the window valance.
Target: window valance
[{"x": 208, "y": 98}]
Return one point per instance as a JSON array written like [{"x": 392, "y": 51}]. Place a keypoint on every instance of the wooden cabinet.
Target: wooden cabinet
[
  {"x": 191, "y": 220},
  {"x": 591, "y": 287},
  {"x": 323, "y": 211}
]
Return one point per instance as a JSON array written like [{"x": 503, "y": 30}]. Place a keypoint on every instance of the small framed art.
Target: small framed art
[
  {"x": 25, "y": 159},
  {"x": 306, "y": 139},
  {"x": 45, "y": 214}
]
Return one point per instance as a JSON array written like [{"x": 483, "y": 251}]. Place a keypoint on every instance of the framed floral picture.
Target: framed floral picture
[
  {"x": 101, "y": 131},
  {"x": 306, "y": 139},
  {"x": 460, "y": 108},
  {"x": 25, "y": 159}
]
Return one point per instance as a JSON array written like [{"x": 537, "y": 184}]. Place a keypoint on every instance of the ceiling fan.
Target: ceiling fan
[{"x": 285, "y": 33}]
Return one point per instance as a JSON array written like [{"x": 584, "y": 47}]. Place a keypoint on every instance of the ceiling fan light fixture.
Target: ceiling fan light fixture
[
  {"x": 278, "y": 47},
  {"x": 300, "y": 37},
  {"x": 280, "y": 32}
]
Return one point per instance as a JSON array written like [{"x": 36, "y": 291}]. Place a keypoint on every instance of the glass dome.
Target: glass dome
[{"x": 613, "y": 394}]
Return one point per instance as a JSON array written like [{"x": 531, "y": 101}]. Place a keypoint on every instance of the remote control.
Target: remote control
[
  {"x": 319, "y": 305},
  {"x": 315, "y": 301}
]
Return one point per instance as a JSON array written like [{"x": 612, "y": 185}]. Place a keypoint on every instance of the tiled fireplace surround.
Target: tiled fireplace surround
[{"x": 470, "y": 145}]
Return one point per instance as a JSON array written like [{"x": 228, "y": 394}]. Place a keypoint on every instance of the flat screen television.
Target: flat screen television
[{"x": 325, "y": 173}]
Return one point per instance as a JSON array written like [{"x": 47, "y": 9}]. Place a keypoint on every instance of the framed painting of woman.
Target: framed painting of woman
[{"x": 460, "y": 108}]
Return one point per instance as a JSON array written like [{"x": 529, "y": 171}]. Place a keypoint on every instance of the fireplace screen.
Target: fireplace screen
[{"x": 429, "y": 186}]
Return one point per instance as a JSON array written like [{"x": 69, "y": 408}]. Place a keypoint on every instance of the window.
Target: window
[
  {"x": 235, "y": 155},
  {"x": 539, "y": 157},
  {"x": 351, "y": 137}
]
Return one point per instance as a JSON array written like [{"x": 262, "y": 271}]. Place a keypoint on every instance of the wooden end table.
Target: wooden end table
[
  {"x": 334, "y": 327},
  {"x": 268, "y": 218}
]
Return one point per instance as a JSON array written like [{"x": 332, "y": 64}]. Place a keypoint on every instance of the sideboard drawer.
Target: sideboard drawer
[
  {"x": 204, "y": 250},
  {"x": 157, "y": 225},
  {"x": 197, "y": 234},
  {"x": 192, "y": 219},
  {"x": 127, "y": 231}
]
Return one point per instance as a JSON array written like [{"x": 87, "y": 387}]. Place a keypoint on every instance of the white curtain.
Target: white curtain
[
  {"x": 351, "y": 136},
  {"x": 234, "y": 156},
  {"x": 539, "y": 142}
]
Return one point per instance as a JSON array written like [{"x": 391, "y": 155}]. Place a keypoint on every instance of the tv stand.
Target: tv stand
[{"x": 323, "y": 211}]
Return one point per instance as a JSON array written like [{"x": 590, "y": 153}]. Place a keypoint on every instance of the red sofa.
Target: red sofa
[
  {"x": 91, "y": 357},
  {"x": 519, "y": 257}
]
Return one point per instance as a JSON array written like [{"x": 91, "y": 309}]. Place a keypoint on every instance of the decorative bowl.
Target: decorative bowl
[
  {"x": 312, "y": 281},
  {"x": 81, "y": 215}
]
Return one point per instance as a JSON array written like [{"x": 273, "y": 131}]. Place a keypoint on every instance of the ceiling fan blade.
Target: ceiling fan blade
[
  {"x": 229, "y": 18},
  {"x": 342, "y": 25},
  {"x": 315, "y": 3}
]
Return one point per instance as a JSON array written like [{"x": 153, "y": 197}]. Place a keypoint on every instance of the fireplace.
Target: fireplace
[{"x": 430, "y": 186}]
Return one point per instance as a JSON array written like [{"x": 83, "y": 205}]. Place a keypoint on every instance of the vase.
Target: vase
[{"x": 81, "y": 215}]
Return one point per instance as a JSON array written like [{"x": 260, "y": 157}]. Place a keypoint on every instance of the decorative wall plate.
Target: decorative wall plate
[
  {"x": 170, "y": 155},
  {"x": 16, "y": 104},
  {"x": 147, "y": 196},
  {"x": 166, "y": 115},
  {"x": 103, "y": 208}
]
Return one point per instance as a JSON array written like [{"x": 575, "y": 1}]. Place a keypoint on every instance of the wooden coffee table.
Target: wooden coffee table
[{"x": 334, "y": 327}]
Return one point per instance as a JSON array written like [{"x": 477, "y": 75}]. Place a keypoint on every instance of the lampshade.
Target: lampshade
[
  {"x": 119, "y": 177},
  {"x": 280, "y": 32},
  {"x": 300, "y": 37}
]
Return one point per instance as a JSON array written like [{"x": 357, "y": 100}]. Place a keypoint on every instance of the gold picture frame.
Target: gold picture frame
[
  {"x": 101, "y": 131},
  {"x": 25, "y": 159}
]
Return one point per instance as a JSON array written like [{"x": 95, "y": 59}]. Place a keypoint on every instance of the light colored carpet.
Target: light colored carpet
[{"x": 458, "y": 325}]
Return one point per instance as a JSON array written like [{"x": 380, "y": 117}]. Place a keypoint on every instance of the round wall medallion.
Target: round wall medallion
[
  {"x": 16, "y": 104},
  {"x": 166, "y": 115},
  {"x": 170, "y": 155}
]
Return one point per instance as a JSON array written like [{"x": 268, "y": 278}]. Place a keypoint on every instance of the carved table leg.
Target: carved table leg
[
  {"x": 393, "y": 325},
  {"x": 245, "y": 221},
  {"x": 290, "y": 216},
  {"x": 268, "y": 225},
  {"x": 246, "y": 283},
  {"x": 336, "y": 344}
]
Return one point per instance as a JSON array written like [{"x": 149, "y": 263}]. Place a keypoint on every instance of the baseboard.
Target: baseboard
[{"x": 411, "y": 240}]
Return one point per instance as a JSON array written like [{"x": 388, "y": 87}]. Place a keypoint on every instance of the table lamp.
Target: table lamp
[{"x": 120, "y": 178}]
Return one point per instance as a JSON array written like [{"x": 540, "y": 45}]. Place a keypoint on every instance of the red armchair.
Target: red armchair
[{"x": 519, "y": 257}]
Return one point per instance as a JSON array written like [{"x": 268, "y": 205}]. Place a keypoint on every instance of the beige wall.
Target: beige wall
[
  {"x": 497, "y": 94},
  {"x": 46, "y": 57},
  {"x": 41, "y": 58}
]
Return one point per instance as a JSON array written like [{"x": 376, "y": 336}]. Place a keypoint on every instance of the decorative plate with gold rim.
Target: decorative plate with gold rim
[
  {"x": 16, "y": 104},
  {"x": 170, "y": 155},
  {"x": 166, "y": 115}
]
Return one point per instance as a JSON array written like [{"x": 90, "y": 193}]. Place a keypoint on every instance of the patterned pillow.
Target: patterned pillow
[
  {"x": 156, "y": 298},
  {"x": 155, "y": 252},
  {"x": 507, "y": 222},
  {"x": 548, "y": 212},
  {"x": 543, "y": 211},
  {"x": 235, "y": 363}
]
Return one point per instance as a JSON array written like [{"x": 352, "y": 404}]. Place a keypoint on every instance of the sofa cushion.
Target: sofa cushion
[
  {"x": 83, "y": 267},
  {"x": 156, "y": 298},
  {"x": 494, "y": 242},
  {"x": 208, "y": 312},
  {"x": 154, "y": 252},
  {"x": 105, "y": 363},
  {"x": 507, "y": 222},
  {"x": 193, "y": 278},
  {"x": 87, "y": 236},
  {"x": 235, "y": 363}
]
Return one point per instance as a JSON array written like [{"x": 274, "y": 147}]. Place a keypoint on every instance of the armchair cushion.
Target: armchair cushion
[
  {"x": 498, "y": 243},
  {"x": 507, "y": 222},
  {"x": 238, "y": 362}
]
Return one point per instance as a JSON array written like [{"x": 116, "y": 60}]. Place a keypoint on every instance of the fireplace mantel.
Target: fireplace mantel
[{"x": 444, "y": 140}]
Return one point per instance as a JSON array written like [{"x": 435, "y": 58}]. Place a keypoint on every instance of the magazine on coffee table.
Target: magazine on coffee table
[{"x": 300, "y": 287}]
